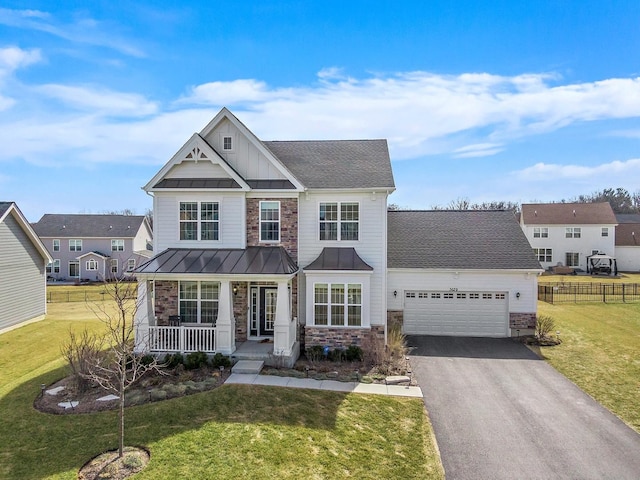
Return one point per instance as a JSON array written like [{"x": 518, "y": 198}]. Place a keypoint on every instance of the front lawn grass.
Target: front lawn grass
[
  {"x": 235, "y": 431},
  {"x": 624, "y": 278},
  {"x": 600, "y": 353}
]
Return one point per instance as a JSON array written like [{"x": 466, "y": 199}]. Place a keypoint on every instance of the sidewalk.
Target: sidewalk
[{"x": 334, "y": 385}]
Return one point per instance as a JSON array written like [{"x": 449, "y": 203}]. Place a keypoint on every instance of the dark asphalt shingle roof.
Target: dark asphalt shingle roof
[
  {"x": 628, "y": 217},
  {"x": 88, "y": 225},
  {"x": 336, "y": 163},
  {"x": 338, "y": 258},
  {"x": 477, "y": 239},
  {"x": 4, "y": 206},
  {"x": 568, "y": 214},
  {"x": 223, "y": 261}
]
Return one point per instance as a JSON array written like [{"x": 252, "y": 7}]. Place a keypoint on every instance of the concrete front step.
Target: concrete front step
[{"x": 248, "y": 366}]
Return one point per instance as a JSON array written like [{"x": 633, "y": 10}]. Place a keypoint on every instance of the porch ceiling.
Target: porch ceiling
[{"x": 227, "y": 261}]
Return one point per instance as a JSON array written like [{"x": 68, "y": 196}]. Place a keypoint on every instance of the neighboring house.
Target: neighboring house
[
  {"x": 628, "y": 242},
  {"x": 469, "y": 273},
  {"x": 566, "y": 234},
  {"x": 281, "y": 242},
  {"x": 23, "y": 259},
  {"x": 87, "y": 247}
]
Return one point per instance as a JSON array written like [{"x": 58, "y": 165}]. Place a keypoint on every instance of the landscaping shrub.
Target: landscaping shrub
[
  {"x": 315, "y": 353},
  {"x": 353, "y": 353},
  {"x": 147, "y": 359},
  {"x": 219, "y": 360},
  {"x": 173, "y": 360},
  {"x": 196, "y": 360},
  {"x": 81, "y": 353},
  {"x": 337, "y": 355},
  {"x": 544, "y": 325}
]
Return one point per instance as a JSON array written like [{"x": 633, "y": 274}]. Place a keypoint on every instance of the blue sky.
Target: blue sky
[{"x": 492, "y": 100}]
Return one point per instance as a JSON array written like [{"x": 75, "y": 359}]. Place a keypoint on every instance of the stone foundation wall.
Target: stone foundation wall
[
  {"x": 240, "y": 309},
  {"x": 166, "y": 301},
  {"x": 522, "y": 321},
  {"x": 288, "y": 224},
  {"x": 341, "y": 337},
  {"x": 395, "y": 318}
]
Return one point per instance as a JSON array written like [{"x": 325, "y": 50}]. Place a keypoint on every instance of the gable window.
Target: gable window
[
  {"x": 339, "y": 221},
  {"x": 92, "y": 264},
  {"x": 572, "y": 232},
  {"x": 605, "y": 231},
  {"x": 227, "y": 143},
  {"x": 114, "y": 265},
  {"x": 543, "y": 254},
  {"x": 56, "y": 245},
  {"x": 338, "y": 304},
  {"x": 270, "y": 221},
  {"x": 199, "y": 302},
  {"x": 572, "y": 259},
  {"x": 53, "y": 267},
  {"x": 75, "y": 245},
  {"x": 117, "y": 245},
  {"x": 131, "y": 265},
  {"x": 540, "y": 232},
  {"x": 199, "y": 221}
]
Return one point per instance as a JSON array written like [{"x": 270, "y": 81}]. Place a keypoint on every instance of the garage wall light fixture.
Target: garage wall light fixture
[
  {"x": 517, "y": 294},
  {"x": 395, "y": 293}
]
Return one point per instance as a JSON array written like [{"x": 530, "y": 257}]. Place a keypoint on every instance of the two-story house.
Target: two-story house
[
  {"x": 94, "y": 247},
  {"x": 273, "y": 242},
  {"x": 628, "y": 242},
  {"x": 567, "y": 234}
]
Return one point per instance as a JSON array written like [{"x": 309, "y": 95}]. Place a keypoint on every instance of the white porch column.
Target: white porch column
[
  {"x": 226, "y": 323},
  {"x": 141, "y": 318},
  {"x": 284, "y": 334}
]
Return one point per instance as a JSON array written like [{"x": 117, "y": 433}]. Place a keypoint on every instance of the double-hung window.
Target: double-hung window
[
  {"x": 338, "y": 304},
  {"x": 270, "y": 221},
  {"x": 543, "y": 254},
  {"x": 114, "y": 265},
  {"x": 199, "y": 302},
  {"x": 339, "y": 221},
  {"x": 540, "y": 232},
  {"x": 199, "y": 221},
  {"x": 56, "y": 245},
  {"x": 117, "y": 245},
  {"x": 131, "y": 265},
  {"x": 605, "y": 232},
  {"x": 75, "y": 245},
  {"x": 573, "y": 232}
]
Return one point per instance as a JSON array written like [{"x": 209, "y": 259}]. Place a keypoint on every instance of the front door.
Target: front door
[{"x": 263, "y": 311}]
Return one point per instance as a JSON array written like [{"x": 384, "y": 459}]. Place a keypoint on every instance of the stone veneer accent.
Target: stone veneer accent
[
  {"x": 166, "y": 300},
  {"x": 522, "y": 321},
  {"x": 395, "y": 318},
  {"x": 240, "y": 309},
  {"x": 288, "y": 224},
  {"x": 340, "y": 337}
]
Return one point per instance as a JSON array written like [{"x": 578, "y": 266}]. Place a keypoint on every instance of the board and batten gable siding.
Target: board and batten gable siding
[
  {"x": 22, "y": 276},
  {"x": 403, "y": 279},
  {"x": 166, "y": 222},
  {"x": 245, "y": 157},
  {"x": 590, "y": 239},
  {"x": 371, "y": 246}
]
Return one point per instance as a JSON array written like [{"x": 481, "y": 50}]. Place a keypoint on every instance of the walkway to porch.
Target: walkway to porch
[{"x": 253, "y": 350}]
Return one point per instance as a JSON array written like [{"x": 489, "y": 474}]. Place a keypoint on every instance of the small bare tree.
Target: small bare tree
[{"x": 120, "y": 367}]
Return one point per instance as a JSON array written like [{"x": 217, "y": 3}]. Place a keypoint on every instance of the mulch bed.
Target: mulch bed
[{"x": 108, "y": 466}]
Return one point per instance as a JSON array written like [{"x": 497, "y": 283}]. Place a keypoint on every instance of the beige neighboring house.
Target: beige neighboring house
[{"x": 23, "y": 259}]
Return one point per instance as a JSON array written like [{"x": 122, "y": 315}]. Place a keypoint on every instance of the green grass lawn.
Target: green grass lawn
[
  {"x": 624, "y": 278},
  {"x": 235, "y": 431},
  {"x": 600, "y": 353}
]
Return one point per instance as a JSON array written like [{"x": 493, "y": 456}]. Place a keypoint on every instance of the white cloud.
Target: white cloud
[
  {"x": 478, "y": 150},
  {"x": 628, "y": 169},
  {"x": 12, "y": 58}
]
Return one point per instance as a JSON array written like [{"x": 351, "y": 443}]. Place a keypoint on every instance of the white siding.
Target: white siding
[
  {"x": 245, "y": 157},
  {"x": 142, "y": 238},
  {"x": 400, "y": 280},
  {"x": 200, "y": 169},
  {"x": 371, "y": 245},
  {"x": 628, "y": 259},
  {"x": 590, "y": 239},
  {"x": 22, "y": 280},
  {"x": 166, "y": 208}
]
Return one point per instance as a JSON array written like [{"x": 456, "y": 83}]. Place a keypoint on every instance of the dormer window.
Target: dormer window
[{"x": 227, "y": 143}]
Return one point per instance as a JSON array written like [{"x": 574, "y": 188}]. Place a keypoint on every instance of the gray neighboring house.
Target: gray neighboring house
[
  {"x": 94, "y": 247},
  {"x": 461, "y": 273},
  {"x": 23, "y": 259},
  {"x": 628, "y": 242}
]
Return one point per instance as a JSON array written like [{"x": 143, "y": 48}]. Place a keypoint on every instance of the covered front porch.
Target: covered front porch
[{"x": 245, "y": 313}]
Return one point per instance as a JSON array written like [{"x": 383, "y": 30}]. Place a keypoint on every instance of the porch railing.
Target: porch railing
[{"x": 182, "y": 339}]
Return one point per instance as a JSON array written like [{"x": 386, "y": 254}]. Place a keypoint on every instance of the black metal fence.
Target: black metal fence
[
  {"x": 575, "y": 292},
  {"x": 83, "y": 294}
]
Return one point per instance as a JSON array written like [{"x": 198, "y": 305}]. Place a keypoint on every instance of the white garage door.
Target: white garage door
[{"x": 462, "y": 314}]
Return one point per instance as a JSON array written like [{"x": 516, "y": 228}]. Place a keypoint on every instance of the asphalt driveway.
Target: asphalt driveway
[{"x": 499, "y": 412}]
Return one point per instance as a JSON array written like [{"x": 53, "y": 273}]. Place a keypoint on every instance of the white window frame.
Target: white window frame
[
  {"x": 117, "y": 245},
  {"x": 56, "y": 244},
  {"x": 604, "y": 232},
  {"x": 131, "y": 264},
  {"x": 75, "y": 244},
  {"x": 573, "y": 232},
  {"x": 332, "y": 320},
  {"x": 199, "y": 301},
  {"x": 113, "y": 263},
  {"x": 199, "y": 221},
  {"x": 338, "y": 222},
  {"x": 74, "y": 262},
  {"x": 543, "y": 254},
  {"x": 228, "y": 148},
  {"x": 92, "y": 265},
  {"x": 575, "y": 259},
  {"x": 540, "y": 232},
  {"x": 262, "y": 221}
]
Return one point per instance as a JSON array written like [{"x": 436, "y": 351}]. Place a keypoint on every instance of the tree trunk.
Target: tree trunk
[{"x": 121, "y": 415}]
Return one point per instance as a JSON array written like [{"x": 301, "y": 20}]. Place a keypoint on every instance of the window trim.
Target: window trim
[
  {"x": 91, "y": 265},
  {"x": 199, "y": 221},
  {"x": 77, "y": 245},
  {"x": 116, "y": 243},
  {"x": 573, "y": 232},
  {"x": 573, "y": 263},
  {"x": 543, "y": 254},
  {"x": 56, "y": 244},
  {"x": 604, "y": 232},
  {"x": 131, "y": 264},
  {"x": 542, "y": 232},
  {"x": 345, "y": 304},
  {"x": 74, "y": 262},
  {"x": 113, "y": 263},
  {"x": 231, "y": 142},
  {"x": 339, "y": 221},
  {"x": 261, "y": 221},
  {"x": 199, "y": 301}
]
